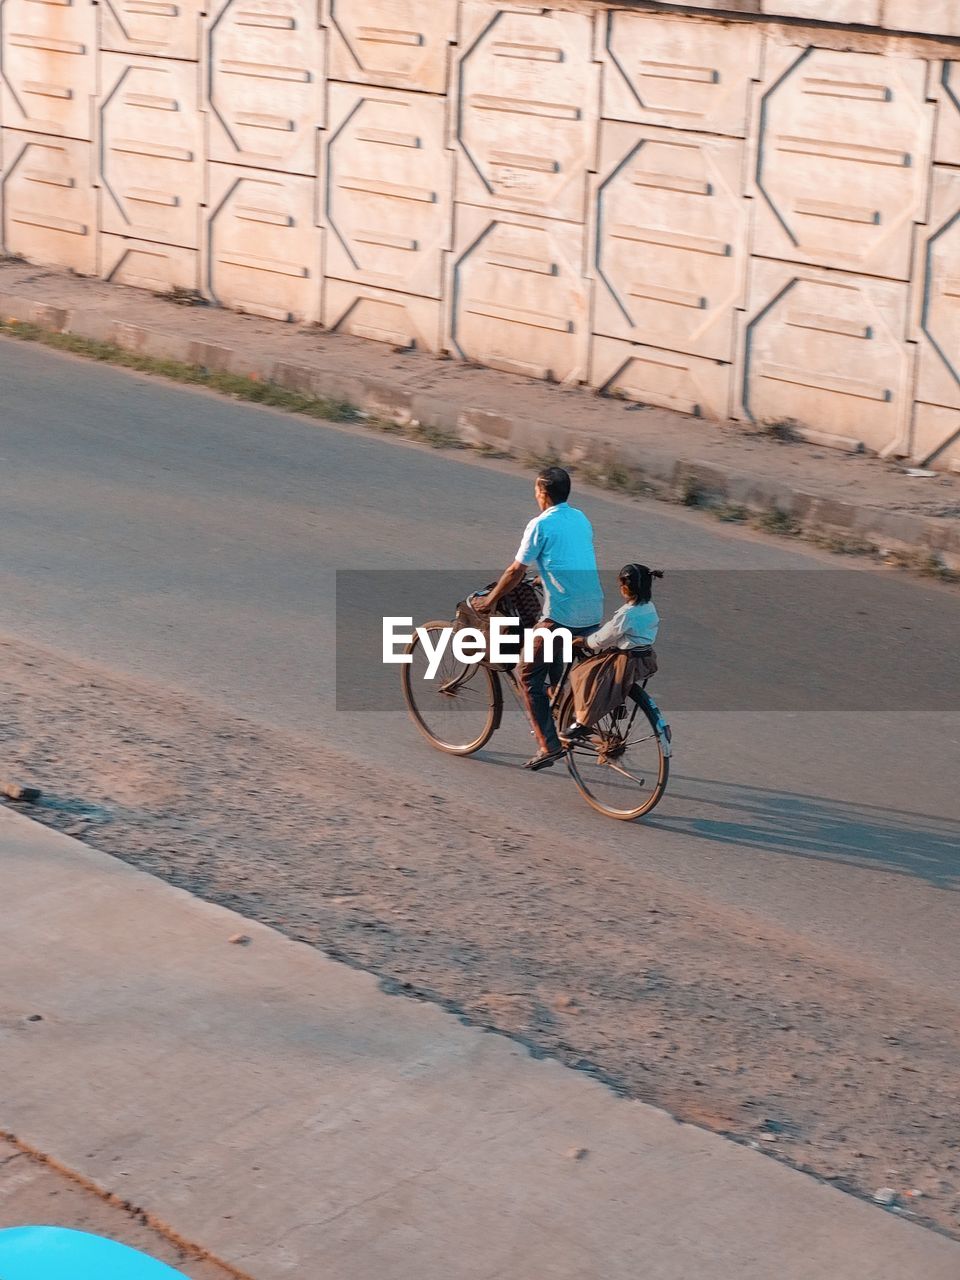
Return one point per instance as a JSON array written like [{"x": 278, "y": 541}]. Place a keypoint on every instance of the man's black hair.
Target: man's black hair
[{"x": 556, "y": 483}]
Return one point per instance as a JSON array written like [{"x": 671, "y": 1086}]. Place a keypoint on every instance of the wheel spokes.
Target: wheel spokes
[
  {"x": 620, "y": 774},
  {"x": 454, "y": 706}
]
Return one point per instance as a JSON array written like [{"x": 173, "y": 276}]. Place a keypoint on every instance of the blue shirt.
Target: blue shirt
[{"x": 559, "y": 544}]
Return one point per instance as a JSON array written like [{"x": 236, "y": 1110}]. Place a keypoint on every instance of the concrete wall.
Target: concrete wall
[
  {"x": 934, "y": 17},
  {"x": 727, "y": 216}
]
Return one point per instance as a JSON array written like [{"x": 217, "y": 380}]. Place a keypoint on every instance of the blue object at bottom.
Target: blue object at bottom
[{"x": 55, "y": 1253}]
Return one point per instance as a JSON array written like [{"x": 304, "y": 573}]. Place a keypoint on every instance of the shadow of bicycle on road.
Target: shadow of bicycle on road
[{"x": 888, "y": 839}]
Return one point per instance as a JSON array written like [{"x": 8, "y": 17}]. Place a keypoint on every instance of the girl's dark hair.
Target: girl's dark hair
[{"x": 638, "y": 580}]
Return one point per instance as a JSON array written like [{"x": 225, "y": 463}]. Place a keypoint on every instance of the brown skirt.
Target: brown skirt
[{"x": 601, "y": 684}]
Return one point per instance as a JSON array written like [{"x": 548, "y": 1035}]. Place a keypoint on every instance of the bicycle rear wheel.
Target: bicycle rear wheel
[
  {"x": 622, "y": 769},
  {"x": 459, "y": 707}
]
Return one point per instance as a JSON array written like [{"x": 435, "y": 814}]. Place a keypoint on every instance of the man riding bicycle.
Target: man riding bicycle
[{"x": 558, "y": 543}]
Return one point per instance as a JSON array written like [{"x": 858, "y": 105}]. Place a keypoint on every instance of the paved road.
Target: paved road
[{"x": 179, "y": 536}]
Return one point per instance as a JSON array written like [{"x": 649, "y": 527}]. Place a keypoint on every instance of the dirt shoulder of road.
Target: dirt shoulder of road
[
  {"x": 847, "y": 501},
  {"x": 667, "y": 998}
]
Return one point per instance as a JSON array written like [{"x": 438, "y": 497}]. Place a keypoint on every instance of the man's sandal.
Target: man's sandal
[{"x": 544, "y": 759}]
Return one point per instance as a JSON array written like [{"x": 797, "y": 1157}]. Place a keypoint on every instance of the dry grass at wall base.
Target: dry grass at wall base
[{"x": 239, "y": 386}]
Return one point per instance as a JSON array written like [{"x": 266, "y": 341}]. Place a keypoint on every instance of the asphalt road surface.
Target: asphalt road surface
[{"x": 195, "y": 541}]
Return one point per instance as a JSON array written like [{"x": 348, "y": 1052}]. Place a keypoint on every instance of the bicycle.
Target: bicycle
[{"x": 620, "y": 774}]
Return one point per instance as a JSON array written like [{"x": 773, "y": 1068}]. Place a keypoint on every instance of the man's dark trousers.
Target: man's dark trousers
[{"x": 533, "y": 677}]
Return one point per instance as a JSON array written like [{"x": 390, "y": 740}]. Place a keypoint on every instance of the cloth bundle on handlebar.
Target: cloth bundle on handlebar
[{"x": 524, "y": 602}]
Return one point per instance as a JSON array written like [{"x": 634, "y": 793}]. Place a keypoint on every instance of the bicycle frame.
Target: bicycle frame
[{"x": 512, "y": 681}]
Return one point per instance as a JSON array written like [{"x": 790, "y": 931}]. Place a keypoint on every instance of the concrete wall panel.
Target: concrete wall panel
[
  {"x": 158, "y": 28},
  {"x": 401, "y": 319},
  {"x": 938, "y": 17},
  {"x": 48, "y": 201},
  {"x": 946, "y": 87},
  {"x": 262, "y": 251},
  {"x": 387, "y": 189},
  {"x": 938, "y": 297},
  {"x": 827, "y": 350},
  {"x": 518, "y": 297},
  {"x": 265, "y": 84},
  {"x": 144, "y": 264},
  {"x": 863, "y": 12},
  {"x": 843, "y": 151},
  {"x": 525, "y": 118},
  {"x": 151, "y": 149},
  {"x": 678, "y": 72},
  {"x": 688, "y": 384},
  {"x": 48, "y": 66},
  {"x": 670, "y": 244},
  {"x": 403, "y": 44},
  {"x": 936, "y": 437}
]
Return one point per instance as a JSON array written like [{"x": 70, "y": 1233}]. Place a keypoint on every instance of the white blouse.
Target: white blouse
[{"x": 633, "y": 626}]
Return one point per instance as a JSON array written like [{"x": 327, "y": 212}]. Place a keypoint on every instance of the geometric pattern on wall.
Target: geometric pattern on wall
[
  {"x": 525, "y": 123},
  {"x": 387, "y": 188},
  {"x": 720, "y": 215},
  {"x": 667, "y": 379},
  {"x": 48, "y": 201},
  {"x": 828, "y": 349},
  {"x": 520, "y": 300},
  {"x": 843, "y": 150},
  {"x": 403, "y": 320},
  {"x": 399, "y": 44},
  {"x": 670, "y": 244},
  {"x": 261, "y": 248},
  {"x": 151, "y": 149},
  {"x": 265, "y": 84},
  {"x": 48, "y": 66},
  {"x": 946, "y": 91},
  {"x": 692, "y": 75},
  {"x": 939, "y": 311},
  {"x": 151, "y": 28}
]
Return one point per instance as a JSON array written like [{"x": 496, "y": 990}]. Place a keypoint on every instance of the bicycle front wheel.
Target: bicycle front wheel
[
  {"x": 457, "y": 707},
  {"x": 622, "y": 769}
]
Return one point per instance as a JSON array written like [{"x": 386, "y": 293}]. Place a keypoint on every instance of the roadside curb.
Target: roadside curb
[{"x": 927, "y": 541}]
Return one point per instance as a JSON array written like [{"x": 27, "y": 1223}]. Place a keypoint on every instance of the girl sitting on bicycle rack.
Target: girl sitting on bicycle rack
[{"x": 624, "y": 653}]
